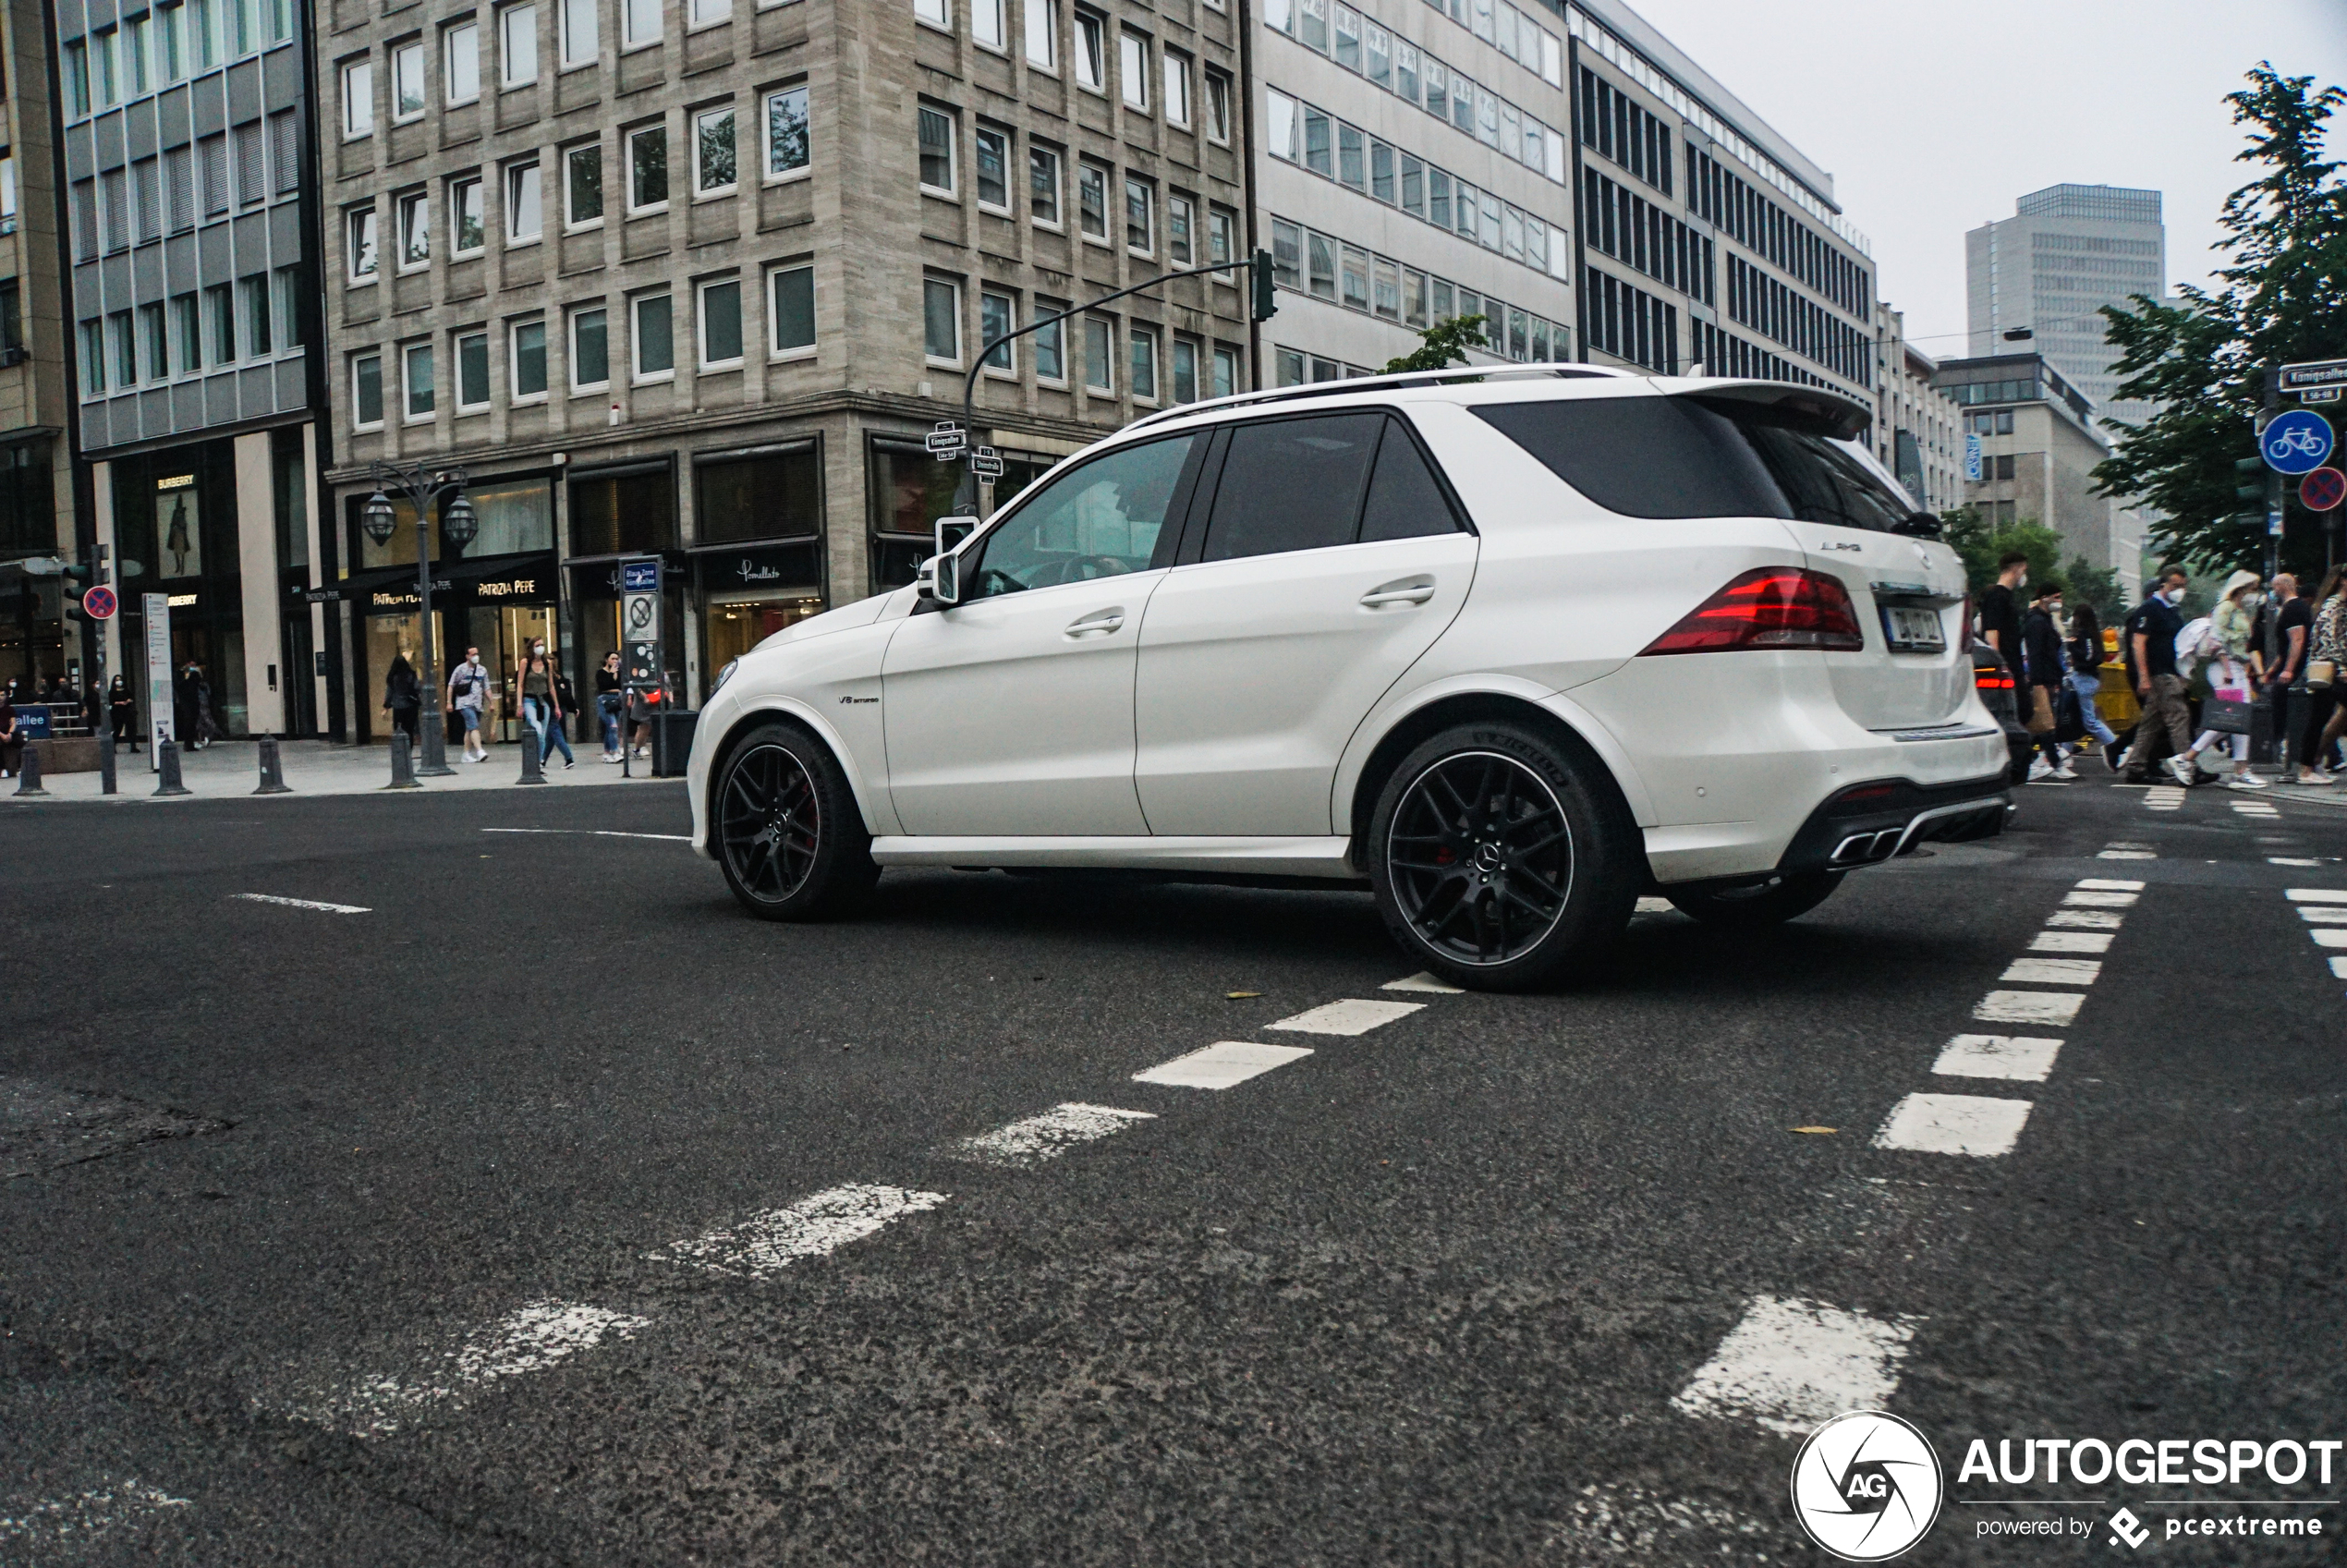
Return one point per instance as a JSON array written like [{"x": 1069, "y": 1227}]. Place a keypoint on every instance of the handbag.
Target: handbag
[
  {"x": 2225, "y": 717},
  {"x": 2070, "y": 720},
  {"x": 2041, "y": 714},
  {"x": 2320, "y": 672}
]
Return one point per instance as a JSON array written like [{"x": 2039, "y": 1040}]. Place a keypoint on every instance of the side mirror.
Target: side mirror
[{"x": 946, "y": 579}]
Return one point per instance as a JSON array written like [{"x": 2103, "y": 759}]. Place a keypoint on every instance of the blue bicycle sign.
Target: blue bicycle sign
[{"x": 2296, "y": 443}]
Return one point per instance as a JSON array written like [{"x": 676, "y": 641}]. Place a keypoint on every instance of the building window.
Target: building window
[
  {"x": 648, "y": 169},
  {"x": 258, "y": 314},
  {"x": 583, "y": 31},
  {"x": 583, "y": 185},
  {"x": 1319, "y": 253},
  {"x": 407, "y": 82},
  {"x": 942, "y": 321},
  {"x": 1218, "y": 107},
  {"x": 472, "y": 372},
  {"x": 714, "y": 163},
  {"x": 359, "y": 245},
  {"x": 1140, "y": 219},
  {"x": 1185, "y": 370},
  {"x": 462, "y": 63},
  {"x": 993, "y": 159},
  {"x": 708, "y": 13},
  {"x": 1181, "y": 216},
  {"x": 1226, "y": 372},
  {"x": 1091, "y": 57},
  {"x": 986, "y": 23},
  {"x": 1042, "y": 19},
  {"x": 358, "y": 100},
  {"x": 1177, "y": 89},
  {"x": 793, "y": 315},
  {"x": 1222, "y": 242},
  {"x": 1099, "y": 355},
  {"x": 655, "y": 346},
  {"x": 721, "y": 325},
  {"x": 126, "y": 349},
  {"x": 467, "y": 232},
  {"x": 786, "y": 149},
  {"x": 1091, "y": 201},
  {"x": 1051, "y": 343},
  {"x": 639, "y": 23},
  {"x": 1144, "y": 346},
  {"x": 415, "y": 367},
  {"x": 77, "y": 74},
  {"x": 93, "y": 358},
  {"x": 292, "y": 290},
  {"x": 527, "y": 362},
  {"x": 936, "y": 13},
  {"x": 524, "y": 221},
  {"x": 1132, "y": 69},
  {"x": 186, "y": 323},
  {"x": 517, "y": 46},
  {"x": 997, "y": 315},
  {"x": 415, "y": 229},
  {"x": 1043, "y": 185},
  {"x": 937, "y": 150},
  {"x": 366, "y": 392},
  {"x": 589, "y": 349}
]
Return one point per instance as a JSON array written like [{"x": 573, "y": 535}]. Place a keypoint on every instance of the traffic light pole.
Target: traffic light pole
[{"x": 1258, "y": 271}]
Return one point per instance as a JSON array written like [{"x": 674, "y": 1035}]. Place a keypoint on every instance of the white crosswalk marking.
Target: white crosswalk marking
[
  {"x": 1349, "y": 1017},
  {"x": 765, "y": 1243},
  {"x": 2109, "y": 884},
  {"x": 2316, "y": 896},
  {"x": 2339, "y": 968},
  {"x": 1954, "y": 1124},
  {"x": 2030, "y": 1007},
  {"x": 2086, "y": 898},
  {"x": 81, "y": 1516},
  {"x": 1037, "y": 1138},
  {"x": 2290, "y": 861},
  {"x": 2018, "y": 1057},
  {"x": 2051, "y": 971},
  {"x": 1654, "y": 907},
  {"x": 305, "y": 903},
  {"x": 2085, "y": 919},
  {"x": 530, "y": 1339},
  {"x": 2323, "y": 914},
  {"x": 1792, "y": 1364},
  {"x": 2330, "y": 936},
  {"x": 2127, "y": 855},
  {"x": 1424, "y": 982},
  {"x": 1221, "y": 1064},
  {"x": 2071, "y": 942}
]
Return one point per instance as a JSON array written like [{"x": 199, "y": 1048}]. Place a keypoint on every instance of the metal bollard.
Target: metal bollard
[
  {"x": 272, "y": 769},
  {"x": 403, "y": 763},
  {"x": 168, "y": 768},
  {"x": 534, "y": 766},
  {"x": 29, "y": 773}
]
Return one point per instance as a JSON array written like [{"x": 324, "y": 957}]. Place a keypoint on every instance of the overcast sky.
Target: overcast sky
[{"x": 1932, "y": 117}]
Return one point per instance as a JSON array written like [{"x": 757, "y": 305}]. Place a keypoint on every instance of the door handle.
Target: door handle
[
  {"x": 1402, "y": 590},
  {"x": 1098, "y": 624}
]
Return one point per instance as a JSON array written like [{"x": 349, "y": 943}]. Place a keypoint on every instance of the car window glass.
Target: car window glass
[
  {"x": 1404, "y": 501},
  {"x": 1292, "y": 484},
  {"x": 1643, "y": 456},
  {"x": 1099, "y": 520},
  {"x": 1826, "y": 480}
]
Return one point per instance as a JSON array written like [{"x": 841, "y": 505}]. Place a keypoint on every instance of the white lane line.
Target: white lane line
[
  {"x": 2316, "y": 896},
  {"x": 2330, "y": 936},
  {"x": 2128, "y": 854},
  {"x": 305, "y": 904},
  {"x": 2128, "y": 844},
  {"x": 594, "y": 833},
  {"x": 1032, "y": 1141},
  {"x": 2290, "y": 861},
  {"x": 1954, "y": 1124},
  {"x": 530, "y": 1339},
  {"x": 1221, "y": 1064},
  {"x": 1350, "y": 1017},
  {"x": 2089, "y": 899},
  {"x": 1425, "y": 982},
  {"x": 767, "y": 1243},
  {"x": 2018, "y": 1057},
  {"x": 2071, "y": 942},
  {"x": 2322, "y": 914},
  {"x": 1792, "y": 1364},
  {"x": 76, "y": 1518},
  {"x": 2085, "y": 919},
  {"x": 2109, "y": 884},
  {"x": 2030, "y": 1007},
  {"x": 2051, "y": 972}
]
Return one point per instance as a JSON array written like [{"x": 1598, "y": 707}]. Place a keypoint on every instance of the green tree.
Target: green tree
[
  {"x": 1441, "y": 346},
  {"x": 2098, "y": 586},
  {"x": 2282, "y": 298},
  {"x": 1981, "y": 544}
]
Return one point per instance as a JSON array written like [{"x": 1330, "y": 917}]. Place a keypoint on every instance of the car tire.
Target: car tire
[
  {"x": 787, "y": 829},
  {"x": 1764, "y": 903},
  {"x": 1503, "y": 858}
]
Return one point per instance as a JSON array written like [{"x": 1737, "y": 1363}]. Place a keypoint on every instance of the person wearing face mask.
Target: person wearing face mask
[
  {"x": 2152, "y": 637},
  {"x": 2235, "y": 670},
  {"x": 2042, "y": 666}
]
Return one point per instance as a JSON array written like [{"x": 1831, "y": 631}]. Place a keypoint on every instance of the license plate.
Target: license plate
[{"x": 1913, "y": 630}]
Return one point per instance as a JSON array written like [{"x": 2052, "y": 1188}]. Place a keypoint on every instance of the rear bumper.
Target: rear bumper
[{"x": 1869, "y": 823}]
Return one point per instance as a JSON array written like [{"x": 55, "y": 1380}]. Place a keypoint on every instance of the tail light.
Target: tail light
[
  {"x": 1992, "y": 677},
  {"x": 1964, "y": 628},
  {"x": 1770, "y": 607}
]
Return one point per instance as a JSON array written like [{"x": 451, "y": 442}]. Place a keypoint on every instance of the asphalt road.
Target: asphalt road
[{"x": 551, "y": 1211}]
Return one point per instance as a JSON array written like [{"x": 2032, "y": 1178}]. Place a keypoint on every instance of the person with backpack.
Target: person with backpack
[
  {"x": 2041, "y": 660},
  {"x": 467, "y": 694},
  {"x": 2326, "y": 652}
]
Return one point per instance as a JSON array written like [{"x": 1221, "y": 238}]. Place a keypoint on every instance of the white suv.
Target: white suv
[{"x": 1509, "y": 648}]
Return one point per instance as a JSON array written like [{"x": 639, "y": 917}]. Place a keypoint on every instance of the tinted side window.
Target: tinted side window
[
  {"x": 1292, "y": 484},
  {"x": 1643, "y": 456},
  {"x": 1826, "y": 480},
  {"x": 1405, "y": 500},
  {"x": 1095, "y": 521}
]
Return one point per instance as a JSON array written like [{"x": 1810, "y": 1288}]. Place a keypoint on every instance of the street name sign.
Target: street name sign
[
  {"x": 986, "y": 463},
  {"x": 2314, "y": 374},
  {"x": 946, "y": 442}
]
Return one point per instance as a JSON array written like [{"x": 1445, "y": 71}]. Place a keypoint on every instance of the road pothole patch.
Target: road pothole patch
[{"x": 43, "y": 1127}]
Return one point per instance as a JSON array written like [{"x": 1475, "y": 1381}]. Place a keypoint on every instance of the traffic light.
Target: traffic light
[
  {"x": 1267, "y": 303},
  {"x": 2249, "y": 481}
]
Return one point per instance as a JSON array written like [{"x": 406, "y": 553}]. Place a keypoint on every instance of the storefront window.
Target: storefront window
[
  {"x": 909, "y": 491},
  {"x": 624, "y": 513},
  {"x": 775, "y": 495},
  {"x": 515, "y": 514}
]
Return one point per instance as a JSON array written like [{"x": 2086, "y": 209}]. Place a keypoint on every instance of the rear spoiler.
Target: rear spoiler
[{"x": 1804, "y": 407}]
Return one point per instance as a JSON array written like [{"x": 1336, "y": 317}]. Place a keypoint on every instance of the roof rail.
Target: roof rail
[{"x": 1379, "y": 383}]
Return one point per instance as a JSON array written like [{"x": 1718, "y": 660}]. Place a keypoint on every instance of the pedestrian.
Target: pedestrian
[
  {"x": 640, "y": 712},
  {"x": 2234, "y": 668},
  {"x": 540, "y": 704},
  {"x": 467, "y": 693},
  {"x": 404, "y": 698},
  {"x": 2325, "y": 651},
  {"x": 11, "y": 738},
  {"x": 2083, "y": 676},
  {"x": 608, "y": 702},
  {"x": 122, "y": 712},
  {"x": 2151, "y": 639},
  {"x": 2000, "y": 611},
  {"x": 2041, "y": 660},
  {"x": 565, "y": 705}
]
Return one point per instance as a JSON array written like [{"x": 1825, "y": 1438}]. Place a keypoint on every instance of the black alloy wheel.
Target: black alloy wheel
[
  {"x": 1501, "y": 858},
  {"x": 788, "y": 832}
]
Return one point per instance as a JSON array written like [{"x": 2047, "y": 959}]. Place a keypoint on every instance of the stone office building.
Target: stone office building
[{"x": 695, "y": 279}]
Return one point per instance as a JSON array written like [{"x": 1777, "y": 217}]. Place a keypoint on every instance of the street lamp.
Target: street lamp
[{"x": 458, "y": 525}]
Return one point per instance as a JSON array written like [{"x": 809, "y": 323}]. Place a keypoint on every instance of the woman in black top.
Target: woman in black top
[
  {"x": 122, "y": 712},
  {"x": 404, "y": 698},
  {"x": 607, "y": 704},
  {"x": 2084, "y": 652}
]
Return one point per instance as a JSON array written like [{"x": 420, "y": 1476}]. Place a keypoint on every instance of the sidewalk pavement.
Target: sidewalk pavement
[{"x": 315, "y": 766}]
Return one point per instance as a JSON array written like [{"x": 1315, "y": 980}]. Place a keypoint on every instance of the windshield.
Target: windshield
[{"x": 1694, "y": 456}]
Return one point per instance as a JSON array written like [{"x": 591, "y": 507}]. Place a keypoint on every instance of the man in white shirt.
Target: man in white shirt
[{"x": 467, "y": 694}]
